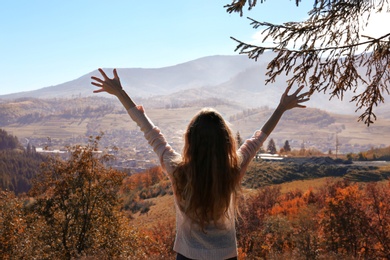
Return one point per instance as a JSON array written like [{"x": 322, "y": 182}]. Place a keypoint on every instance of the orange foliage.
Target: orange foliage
[
  {"x": 290, "y": 204},
  {"x": 143, "y": 180},
  {"x": 163, "y": 235},
  {"x": 288, "y": 207},
  {"x": 340, "y": 220}
]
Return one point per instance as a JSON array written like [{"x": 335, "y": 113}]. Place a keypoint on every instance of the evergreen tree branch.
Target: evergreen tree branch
[{"x": 325, "y": 52}]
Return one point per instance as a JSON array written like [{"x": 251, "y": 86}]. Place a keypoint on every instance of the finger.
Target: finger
[
  {"x": 96, "y": 84},
  {"x": 97, "y": 79},
  {"x": 287, "y": 90},
  {"x": 115, "y": 74},
  {"x": 298, "y": 90},
  {"x": 99, "y": 90},
  {"x": 103, "y": 73}
]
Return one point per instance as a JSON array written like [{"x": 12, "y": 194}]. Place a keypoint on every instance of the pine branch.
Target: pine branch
[{"x": 326, "y": 56}]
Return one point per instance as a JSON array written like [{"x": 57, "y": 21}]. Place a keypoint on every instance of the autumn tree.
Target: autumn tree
[
  {"x": 12, "y": 226},
  {"x": 253, "y": 216},
  {"x": 278, "y": 234},
  {"x": 77, "y": 205},
  {"x": 345, "y": 222},
  {"x": 306, "y": 238},
  {"x": 329, "y": 51},
  {"x": 378, "y": 211}
]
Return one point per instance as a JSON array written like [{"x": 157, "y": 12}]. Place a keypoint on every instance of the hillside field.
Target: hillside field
[{"x": 63, "y": 124}]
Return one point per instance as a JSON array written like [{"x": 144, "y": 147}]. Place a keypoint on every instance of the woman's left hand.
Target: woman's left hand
[{"x": 112, "y": 86}]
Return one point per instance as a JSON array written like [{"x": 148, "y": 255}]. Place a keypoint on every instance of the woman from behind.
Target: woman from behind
[{"x": 206, "y": 178}]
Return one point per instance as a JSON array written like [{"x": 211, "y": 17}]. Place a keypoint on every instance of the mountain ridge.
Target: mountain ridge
[
  {"x": 231, "y": 77},
  {"x": 204, "y": 71}
]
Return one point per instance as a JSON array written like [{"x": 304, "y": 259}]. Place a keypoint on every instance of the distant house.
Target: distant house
[
  {"x": 268, "y": 156},
  {"x": 42, "y": 150},
  {"x": 62, "y": 153}
]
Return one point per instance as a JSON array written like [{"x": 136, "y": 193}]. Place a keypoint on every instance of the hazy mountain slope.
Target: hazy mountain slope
[
  {"x": 234, "y": 78},
  {"x": 205, "y": 71},
  {"x": 248, "y": 89}
]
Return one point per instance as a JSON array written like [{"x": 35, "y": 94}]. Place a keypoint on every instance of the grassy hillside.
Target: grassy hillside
[{"x": 264, "y": 173}]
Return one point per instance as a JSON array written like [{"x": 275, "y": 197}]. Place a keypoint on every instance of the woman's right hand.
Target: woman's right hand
[{"x": 112, "y": 86}]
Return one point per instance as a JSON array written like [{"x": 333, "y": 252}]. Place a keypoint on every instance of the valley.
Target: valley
[{"x": 56, "y": 123}]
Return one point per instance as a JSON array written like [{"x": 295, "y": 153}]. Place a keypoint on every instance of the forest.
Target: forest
[
  {"x": 80, "y": 208},
  {"x": 17, "y": 165}
]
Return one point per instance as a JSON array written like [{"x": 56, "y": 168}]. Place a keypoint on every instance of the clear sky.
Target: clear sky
[{"x": 48, "y": 42}]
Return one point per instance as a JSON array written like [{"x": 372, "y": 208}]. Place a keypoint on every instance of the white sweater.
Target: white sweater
[{"x": 191, "y": 241}]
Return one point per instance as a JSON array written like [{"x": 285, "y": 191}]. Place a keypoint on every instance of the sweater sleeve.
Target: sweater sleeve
[
  {"x": 249, "y": 149},
  {"x": 167, "y": 156}
]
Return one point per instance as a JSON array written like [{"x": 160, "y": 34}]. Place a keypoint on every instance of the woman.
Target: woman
[{"x": 206, "y": 177}]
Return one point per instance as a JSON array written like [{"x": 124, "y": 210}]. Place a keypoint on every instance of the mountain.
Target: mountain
[
  {"x": 207, "y": 71},
  {"x": 234, "y": 78}
]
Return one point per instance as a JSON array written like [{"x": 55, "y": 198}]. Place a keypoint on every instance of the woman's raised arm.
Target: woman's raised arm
[{"x": 286, "y": 102}]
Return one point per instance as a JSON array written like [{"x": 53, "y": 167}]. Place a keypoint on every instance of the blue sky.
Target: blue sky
[{"x": 48, "y": 42}]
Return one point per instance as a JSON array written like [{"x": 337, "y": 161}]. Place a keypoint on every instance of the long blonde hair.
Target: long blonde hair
[{"x": 207, "y": 179}]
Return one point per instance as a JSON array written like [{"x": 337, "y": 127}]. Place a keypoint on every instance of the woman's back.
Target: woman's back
[{"x": 207, "y": 179}]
